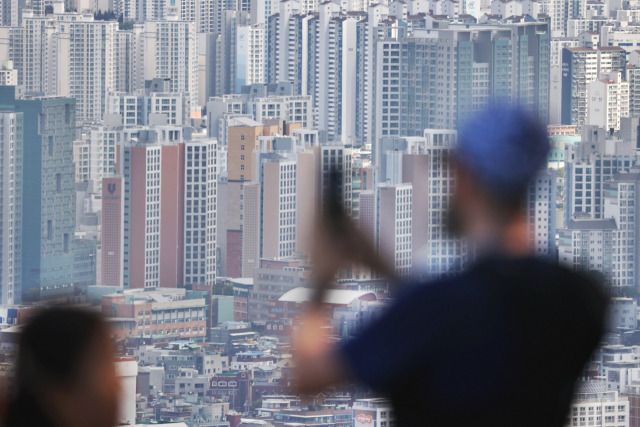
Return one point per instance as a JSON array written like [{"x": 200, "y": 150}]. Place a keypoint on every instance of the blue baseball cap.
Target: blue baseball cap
[{"x": 503, "y": 147}]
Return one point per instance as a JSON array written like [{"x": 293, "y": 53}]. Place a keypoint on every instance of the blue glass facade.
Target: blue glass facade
[{"x": 48, "y": 194}]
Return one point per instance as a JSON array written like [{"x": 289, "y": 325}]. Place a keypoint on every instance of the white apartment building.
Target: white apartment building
[
  {"x": 70, "y": 54},
  {"x": 147, "y": 109},
  {"x": 293, "y": 109},
  {"x": 561, "y": 12},
  {"x": 332, "y": 70},
  {"x": 575, "y": 27},
  {"x": 395, "y": 207},
  {"x": 607, "y": 101},
  {"x": 81, "y": 154},
  {"x": 200, "y": 212},
  {"x": 45, "y": 56},
  {"x": 628, "y": 37},
  {"x": 103, "y": 142},
  {"x": 8, "y": 74},
  {"x": 264, "y": 106},
  {"x": 445, "y": 253},
  {"x": 250, "y": 47},
  {"x": 581, "y": 66},
  {"x": 594, "y": 405},
  {"x": 555, "y": 76},
  {"x": 620, "y": 196},
  {"x": 11, "y": 48},
  {"x": 588, "y": 165},
  {"x": 285, "y": 37},
  {"x": 91, "y": 70},
  {"x": 506, "y": 9},
  {"x": 11, "y": 13},
  {"x": 169, "y": 51},
  {"x": 541, "y": 213},
  {"x": 587, "y": 244},
  {"x": 330, "y": 55},
  {"x": 633, "y": 78}
]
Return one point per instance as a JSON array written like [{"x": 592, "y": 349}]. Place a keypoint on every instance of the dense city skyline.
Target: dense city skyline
[{"x": 164, "y": 161}]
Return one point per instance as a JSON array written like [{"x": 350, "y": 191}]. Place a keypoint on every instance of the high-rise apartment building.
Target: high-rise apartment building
[
  {"x": 337, "y": 158},
  {"x": 262, "y": 102},
  {"x": 157, "y": 105},
  {"x": 200, "y": 223},
  {"x": 540, "y": 206},
  {"x": 169, "y": 51},
  {"x": 319, "y": 53},
  {"x": 91, "y": 63},
  {"x": 11, "y": 168},
  {"x": 588, "y": 165},
  {"x": 555, "y": 76},
  {"x": 249, "y": 55},
  {"x": 621, "y": 194},
  {"x": 471, "y": 66},
  {"x": 48, "y": 193},
  {"x": 169, "y": 212},
  {"x": 112, "y": 253},
  {"x": 607, "y": 101},
  {"x": 242, "y": 143},
  {"x": 437, "y": 251},
  {"x": 123, "y": 61},
  {"x": 587, "y": 244},
  {"x": 70, "y": 54},
  {"x": 11, "y": 49},
  {"x": 45, "y": 56},
  {"x": 11, "y": 12},
  {"x": 395, "y": 228},
  {"x": 270, "y": 230},
  {"x": 580, "y": 66}
]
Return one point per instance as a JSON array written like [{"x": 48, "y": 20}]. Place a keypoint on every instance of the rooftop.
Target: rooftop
[
  {"x": 592, "y": 224},
  {"x": 333, "y": 296}
]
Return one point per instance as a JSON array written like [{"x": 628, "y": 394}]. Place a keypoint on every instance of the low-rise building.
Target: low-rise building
[
  {"x": 233, "y": 387},
  {"x": 164, "y": 312}
]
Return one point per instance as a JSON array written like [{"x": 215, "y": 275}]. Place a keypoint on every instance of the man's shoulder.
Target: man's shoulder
[{"x": 538, "y": 275}]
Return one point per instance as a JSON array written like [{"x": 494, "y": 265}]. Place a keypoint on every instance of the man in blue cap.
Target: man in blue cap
[{"x": 499, "y": 345}]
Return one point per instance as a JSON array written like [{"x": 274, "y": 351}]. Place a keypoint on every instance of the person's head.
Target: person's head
[
  {"x": 498, "y": 153},
  {"x": 65, "y": 365}
]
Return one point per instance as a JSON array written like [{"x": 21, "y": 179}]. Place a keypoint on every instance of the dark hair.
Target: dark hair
[
  {"x": 51, "y": 349},
  {"x": 52, "y": 346}
]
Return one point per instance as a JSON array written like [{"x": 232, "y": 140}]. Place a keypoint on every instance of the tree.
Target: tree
[
  {"x": 126, "y": 25},
  {"x": 105, "y": 16}
]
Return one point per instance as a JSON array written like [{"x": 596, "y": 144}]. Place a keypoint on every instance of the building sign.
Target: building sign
[{"x": 363, "y": 419}]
